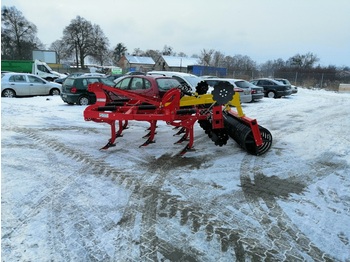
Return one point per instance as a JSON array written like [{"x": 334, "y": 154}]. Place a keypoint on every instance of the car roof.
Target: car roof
[
  {"x": 18, "y": 73},
  {"x": 170, "y": 73},
  {"x": 86, "y": 76},
  {"x": 266, "y": 78},
  {"x": 144, "y": 76}
]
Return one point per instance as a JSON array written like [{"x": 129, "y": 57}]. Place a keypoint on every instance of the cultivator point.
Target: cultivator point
[{"x": 214, "y": 112}]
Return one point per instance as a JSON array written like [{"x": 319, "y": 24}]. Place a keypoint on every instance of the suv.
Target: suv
[
  {"x": 273, "y": 88},
  {"x": 75, "y": 89}
]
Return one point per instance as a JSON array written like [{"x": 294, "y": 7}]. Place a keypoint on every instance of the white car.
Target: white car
[
  {"x": 184, "y": 78},
  {"x": 23, "y": 84},
  {"x": 245, "y": 94}
]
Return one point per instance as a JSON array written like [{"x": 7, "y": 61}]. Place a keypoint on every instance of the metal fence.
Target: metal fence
[{"x": 309, "y": 79}]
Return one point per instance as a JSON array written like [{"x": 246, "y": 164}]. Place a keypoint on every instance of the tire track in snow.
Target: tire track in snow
[
  {"x": 261, "y": 193},
  {"x": 149, "y": 205}
]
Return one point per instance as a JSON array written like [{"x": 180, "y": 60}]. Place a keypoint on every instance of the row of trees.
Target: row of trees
[{"x": 81, "y": 40}]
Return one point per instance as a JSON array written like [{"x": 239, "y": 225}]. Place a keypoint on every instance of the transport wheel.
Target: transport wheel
[
  {"x": 8, "y": 93},
  {"x": 83, "y": 101}
]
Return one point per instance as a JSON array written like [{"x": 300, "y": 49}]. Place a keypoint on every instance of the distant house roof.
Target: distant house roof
[
  {"x": 177, "y": 61},
  {"x": 145, "y": 60}
]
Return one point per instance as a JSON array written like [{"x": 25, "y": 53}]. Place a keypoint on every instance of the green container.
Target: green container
[{"x": 20, "y": 66}]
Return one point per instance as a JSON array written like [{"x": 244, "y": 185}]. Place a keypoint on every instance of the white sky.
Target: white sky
[{"x": 263, "y": 30}]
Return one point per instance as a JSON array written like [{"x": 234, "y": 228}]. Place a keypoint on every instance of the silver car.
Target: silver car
[
  {"x": 245, "y": 94},
  {"x": 256, "y": 91},
  {"x": 23, "y": 84}
]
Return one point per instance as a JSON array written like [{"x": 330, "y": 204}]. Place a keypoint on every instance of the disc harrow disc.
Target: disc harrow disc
[
  {"x": 223, "y": 92},
  {"x": 202, "y": 88}
]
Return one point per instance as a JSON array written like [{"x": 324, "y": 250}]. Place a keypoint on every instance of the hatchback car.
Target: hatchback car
[
  {"x": 245, "y": 93},
  {"x": 75, "y": 89},
  {"x": 188, "y": 80},
  {"x": 23, "y": 84},
  {"x": 273, "y": 88},
  {"x": 148, "y": 85}
]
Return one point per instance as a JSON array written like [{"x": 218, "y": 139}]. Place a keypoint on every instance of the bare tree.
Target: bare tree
[
  {"x": 155, "y": 54},
  {"x": 60, "y": 49},
  {"x": 167, "y": 50},
  {"x": 303, "y": 61},
  {"x": 181, "y": 54},
  {"x": 218, "y": 59},
  {"x": 137, "y": 52},
  {"x": 206, "y": 57},
  {"x": 99, "y": 49},
  {"x": 78, "y": 36},
  {"x": 18, "y": 35}
]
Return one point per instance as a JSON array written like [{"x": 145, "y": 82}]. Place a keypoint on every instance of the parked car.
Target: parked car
[
  {"x": 114, "y": 77},
  {"x": 188, "y": 80},
  {"x": 149, "y": 85},
  {"x": 272, "y": 88},
  {"x": 75, "y": 89},
  {"x": 24, "y": 84},
  {"x": 256, "y": 91},
  {"x": 245, "y": 93},
  {"x": 76, "y": 74},
  {"x": 135, "y": 73},
  {"x": 286, "y": 82}
]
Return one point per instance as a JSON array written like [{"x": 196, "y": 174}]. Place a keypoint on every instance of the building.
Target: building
[
  {"x": 131, "y": 63},
  {"x": 174, "y": 63}
]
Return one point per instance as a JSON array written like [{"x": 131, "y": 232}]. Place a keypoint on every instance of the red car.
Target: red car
[{"x": 149, "y": 85}]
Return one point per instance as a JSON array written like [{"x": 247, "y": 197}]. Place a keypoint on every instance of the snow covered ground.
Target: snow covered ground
[{"x": 64, "y": 200}]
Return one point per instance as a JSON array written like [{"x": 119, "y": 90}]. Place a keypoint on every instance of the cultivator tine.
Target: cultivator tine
[
  {"x": 151, "y": 134},
  {"x": 120, "y": 130},
  {"x": 183, "y": 138},
  {"x": 148, "y": 141},
  {"x": 181, "y": 131},
  {"x": 125, "y": 126},
  {"x": 108, "y": 145},
  {"x": 186, "y": 149}
]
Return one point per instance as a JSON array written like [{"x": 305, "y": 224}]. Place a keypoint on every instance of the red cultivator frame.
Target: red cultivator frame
[{"x": 212, "y": 111}]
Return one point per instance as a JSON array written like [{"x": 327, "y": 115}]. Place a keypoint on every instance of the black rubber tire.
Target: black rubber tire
[
  {"x": 55, "y": 92},
  {"x": 271, "y": 94},
  {"x": 8, "y": 93},
  {"x": 83, "y": 101}
]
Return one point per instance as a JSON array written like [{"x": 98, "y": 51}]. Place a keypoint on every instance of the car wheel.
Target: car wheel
[
  {"x": 83, "y": 101},
  {"x": 55, "y": 92},
  {"x": 8, "y": 93},
  {"x": 271, "y": 94}
]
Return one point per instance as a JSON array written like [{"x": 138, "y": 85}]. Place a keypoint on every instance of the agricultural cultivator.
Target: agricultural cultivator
[{"x": 181, "y": 109}]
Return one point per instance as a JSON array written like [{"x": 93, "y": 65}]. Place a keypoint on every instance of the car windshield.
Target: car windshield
[
  {"x": 167, "y": 83},
  {"x": 107, "y": 82},
  {"x": 193, "y": 80},
  {"x": 243, "y": 84}
]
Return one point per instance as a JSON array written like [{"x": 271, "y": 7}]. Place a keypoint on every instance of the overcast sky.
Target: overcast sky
[{"x": 261, "y": 29}]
